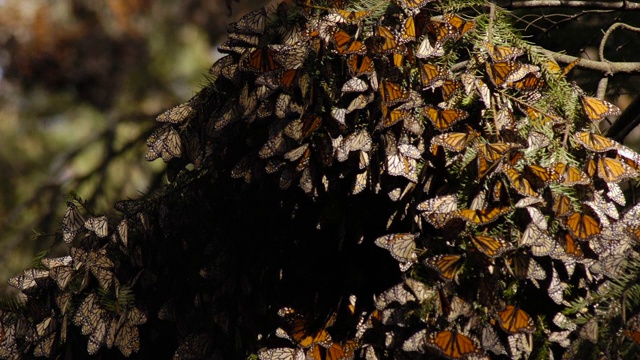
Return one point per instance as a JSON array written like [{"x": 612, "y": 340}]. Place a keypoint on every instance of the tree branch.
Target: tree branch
[
  {"x": 618, "y": 5},
  {"x": 608, "y": 33},
  {"x": 607, "y": 67}
]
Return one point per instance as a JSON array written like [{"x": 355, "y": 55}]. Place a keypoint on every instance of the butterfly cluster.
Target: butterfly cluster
[
  {"x": 497, "y": 201},
  {"x": 494, "y": 182},
  {"x": 80, "y": 289}
]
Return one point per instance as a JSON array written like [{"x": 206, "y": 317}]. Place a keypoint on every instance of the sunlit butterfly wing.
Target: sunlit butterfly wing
[
  {"x": 453, "y": 345},
  {"x": 502, "y": 53},
  {"x": 444, "y": 119},
  {"x": 595, "y": 142},
  {"x": 402, "y": 246},
  {"x": 393, "y": 93},
  {"x": 346, "y": 45},
  {"x": 518, "y": 182},
  {"x": 612, "y": 170},
  {"x": 596, "y": 110},
  {"x": 454, "y": 141},
  {"x": 490, "y": 245},
  {"x": 432, "y": 76},
  {"x": 514, "y": 320},
  {"x": 582, "y": 226},
  {"x": 447, "y": 266}
]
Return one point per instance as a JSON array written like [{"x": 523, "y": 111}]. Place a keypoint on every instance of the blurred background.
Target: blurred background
[{"x": 81, "y": 82}]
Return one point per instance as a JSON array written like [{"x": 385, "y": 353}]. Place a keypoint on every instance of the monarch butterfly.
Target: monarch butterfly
[
  {"x": 412, "y": 5},
  {"x": 525, "y": 267},
  {"x": 537, "y": 140},
  {"x": 72, "y": 222},
  {"x": 505, "y": 72},
  {"x": 589, "y": 330},
  {"x": 164, "y": 142},
  {"x": 514, "y": 320},
  {"x": 440, "y": 204},
  {"x": 225, "y": 66},
  {"x": 93, "y": 320},
  {"x": 495, "y": 151},
  {"x": 453, "y": 345},
  {"x": 519, "y": 183},
  {"x": 281, "y": 354},
  {"x": 426, "y": 50},
  {"x": 432, "y": 76},
  {"x": 399, "y": 165},
  {"x": 392, "y": 117},
  {"x": 633, "y": 328},
  {"x": 490, "y": 245},
  {"x": 408, "y": 290},
  {"x": 453, "y": 28},
  {"x": 360, "y": 102},
  {"x": 177, "y": 114},
  {"x": 529, "y": 82},
  {"x": 388, "y": 42},
  {"x": 297, "y": 330},
  {"x": 447, "y": 266},
  {"x": 444, "y": 119},
  {"x": 603, "y": 208},
  {"x": 571, "y": 175},
  {"x": 252, "y": 23},
  {"x": 582, "y": 226},
  {"x": 346, "y": 16},
  {"x": 302, "y": 128},
  {"x": 346, "y": 45},
  {"x": 393, "y": 93},
  {"x": 595, "y": 142},
  {"x": 615, "y": 193},
  {"x": 491, "y": 341},
  {"x": 337, "y": 351},
  {"x": 612, "y": 170},
  {"x": 248, "y": 40},
  {"x": 458, "y": 307},
  {"x": 484, "y": 166},
  {"x": 290, "y": 57},
  {"x": 360, "y": 65},
  {"x": 98, "y": 225},
  {"x": 500, "y": 53},
  {"x": 275, "y": 145},
  {"x": 29, "y": 280},
  {"x": 541, "y": 243},
  {"x": 401, "y": 246},
  {"x": 571, "y": 247},
  {"x": 563, "y": 322},
  {"x": 354, "y": 85},
  {"x": 556, "y": 288},
  {"x": 555, "y": 69},
  {"x": 44, "y": 345},
  {"x": 454, "y": 141},
  {"x": 450, "y": 88},
  {"x": 262, "y": 61},
  {"x": 408, "y": 31},
  {"x": 544, "y": 175},
  {"x": 596, "y": 109}
]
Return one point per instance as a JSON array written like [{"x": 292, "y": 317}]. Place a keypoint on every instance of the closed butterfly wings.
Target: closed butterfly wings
[{"x": 402, "y": 246}]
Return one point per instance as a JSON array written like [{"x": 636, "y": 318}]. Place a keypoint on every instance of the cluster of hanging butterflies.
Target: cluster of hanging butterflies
[
  {"x": 69, "y": 282},
  {"x": 494, "y": 182}
]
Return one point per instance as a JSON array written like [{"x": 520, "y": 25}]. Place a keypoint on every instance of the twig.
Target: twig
[
  {"x": 606, "y": 67},
  {"x": 608, "y": 33},
  {"x": 618, "y": 5}
]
